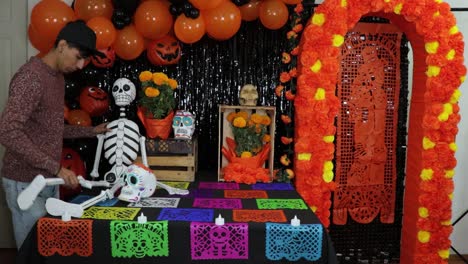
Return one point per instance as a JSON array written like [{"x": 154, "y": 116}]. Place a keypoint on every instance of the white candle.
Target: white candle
[
  {"x": 219, "y": 220},
  {"x": 142, "y": 219},
  {"x": 295, "y": 221}
]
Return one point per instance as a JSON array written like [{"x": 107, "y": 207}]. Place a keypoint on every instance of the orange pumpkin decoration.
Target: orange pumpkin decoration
[
  {"x": 94, "y": 101},
  {"x": 164, "y": 51},
  {"x": 79, "y": 117},
  {"x": 106, "y": 62},
  {"x": 71, "y": 160}
]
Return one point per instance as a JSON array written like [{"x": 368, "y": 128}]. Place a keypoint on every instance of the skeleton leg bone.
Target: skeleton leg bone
[
  {"x": 172, "y": 190},
  {"x": 58, "y": 207},
  {"x": 27, "y": 196}
]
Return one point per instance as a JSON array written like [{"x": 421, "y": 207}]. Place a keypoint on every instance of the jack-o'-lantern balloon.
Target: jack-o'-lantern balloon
[
  {"x": 94, "y": 101},
  {"x": 164, "y": 51},
  {"x": 71, "y": 160},
  {"x": 105, "y": 62}
]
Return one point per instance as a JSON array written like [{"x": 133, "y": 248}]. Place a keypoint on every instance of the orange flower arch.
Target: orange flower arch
[{"x": 438, "y": 72}]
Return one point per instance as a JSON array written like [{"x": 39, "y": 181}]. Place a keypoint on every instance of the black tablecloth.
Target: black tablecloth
[{"x": 179, "y": 236}]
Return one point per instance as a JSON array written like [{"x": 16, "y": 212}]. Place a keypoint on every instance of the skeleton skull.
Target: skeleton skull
[
  {"x": 248, "y": 95},
  {"x": 183, "y": 125},
  {"x": 124, "y": 91},
  {"x": 140, "y": 182}
]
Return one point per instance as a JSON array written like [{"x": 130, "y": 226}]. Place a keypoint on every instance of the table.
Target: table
[{"x": 257, "y": 229}]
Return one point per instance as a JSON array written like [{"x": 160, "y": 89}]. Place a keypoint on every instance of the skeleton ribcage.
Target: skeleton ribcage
[{"x": 121, "y": 145}]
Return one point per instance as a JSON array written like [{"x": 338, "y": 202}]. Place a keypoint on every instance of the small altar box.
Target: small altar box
[
  {"x": 225, "y": 131},
  {"x": 172, "y": 159}
]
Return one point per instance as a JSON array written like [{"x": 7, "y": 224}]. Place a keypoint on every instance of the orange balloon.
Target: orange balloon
[
  {"x": 38, "y": 42},
  {"x": 79, "y": 117},
  {"x": 273, "y": 14},
  {"x": 87, "y": 9},
  {"x": 189, "y": 30},
  {"x": 249, "y": 11},
  {"x": 292, "y": 2},
  {"x": 153, "y": 19},
  {"x": 49, "y": 16},
  {"x": 105, "y": 31},
  {"x": 206, "y": 4},
  {"x": 129, "y": 44},
  {"x": 222, "y": 22}
]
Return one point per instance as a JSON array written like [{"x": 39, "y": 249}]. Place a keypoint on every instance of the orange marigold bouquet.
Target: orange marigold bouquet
[{"x": 158, "y": 94}]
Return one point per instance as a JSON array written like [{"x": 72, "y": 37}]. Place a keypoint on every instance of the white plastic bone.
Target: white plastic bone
[{"x": 26, "y": 198}]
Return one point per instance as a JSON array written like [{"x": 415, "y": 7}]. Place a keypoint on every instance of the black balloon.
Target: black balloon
[
  {"x": 128, "y": 6},
  {"x": 174, "y": 10},
  {"x": 240, "y": 2},
  {"x": 193, "y": 13}
]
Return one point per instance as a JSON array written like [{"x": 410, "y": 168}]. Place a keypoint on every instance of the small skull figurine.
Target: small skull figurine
[
  {"x": 248, "y": 95},
  {"x": 183, "y": 124},
  {"x": 140, "y": 182},
  {"x": 124, "y": 91}
]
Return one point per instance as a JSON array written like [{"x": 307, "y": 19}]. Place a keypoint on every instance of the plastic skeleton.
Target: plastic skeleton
[{"x": 122, "y": 143}]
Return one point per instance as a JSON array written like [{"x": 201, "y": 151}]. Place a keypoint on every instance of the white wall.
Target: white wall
[{"x": 460, "y": 235}]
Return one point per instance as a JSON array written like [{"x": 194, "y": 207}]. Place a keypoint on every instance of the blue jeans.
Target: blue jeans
[{"x": 23, "y": 221}]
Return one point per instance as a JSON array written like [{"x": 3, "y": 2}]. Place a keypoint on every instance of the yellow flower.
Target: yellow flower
[
  {"x": 426, "y": 174},
  {"x": 160, "y": 78},
  {"x": 152, "y": 92},
  {"x": 444, "y": 253},
  {"x": 316, "y": 67},
  {"x": 243, "y": 114},
  {"x": 338, "y": 40},
  {"x": 231, "y": 116},
  {"x": 256, "y": 118},
  {"x": 431, "y": 47},
  {"x": 319, "y": 94},
  {"x": 172, "y": 83},
  {"x": 423, "y": 212},
  {"x": 318, "y": 19},
  {"x": 424, "y": 236},
  {"x": 246, "y": 154},
  {"x": 239, "y": 122},
  {"x": 145, "y": 76},
  {"x": 266, "y": 121}
]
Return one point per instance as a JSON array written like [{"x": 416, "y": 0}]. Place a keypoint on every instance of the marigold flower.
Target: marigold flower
[
  {"x": 243, "y": 114},
  {"x": 231, "y": 116},
  {"x": 278, "y": 90},
  {"x": 286, "y": 140},
  {"x": 159, "y": 78},
  {"x": 284, "y": 77},
  {"x": 299, "y": 8},
  {"x": 295, "y": 51},
  {"x": 145, "y": 76},
  {"x": 286, "y": 119},
  {"x": 266, "y": 138},
  {"x": 246, "y": 154},
  {"x": 291, "y": 34},
  {"x": 152, "y": 92},
  {"x": 266, "y": 120},
  {"x": 172, "y": 83},
  {"x": 285, "y": 58},
  {"x": 239, "y": 122},
  {"x": 256, "y": 118},
  {"x": 290, "y": 173},
  {"x": 285, "y": 160},
  {"x": 290, "y": 96},
  {"x": 293, "y": 72},
  {"x": 297, "y": 28}
]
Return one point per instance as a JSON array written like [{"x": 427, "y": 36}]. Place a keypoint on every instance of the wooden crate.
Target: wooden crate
[
  {"x": 174, "y": 166},
  {"x": 225, "y": 131}
]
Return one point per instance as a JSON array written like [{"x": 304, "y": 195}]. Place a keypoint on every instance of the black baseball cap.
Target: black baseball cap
[{"x": 78, "y": 33}]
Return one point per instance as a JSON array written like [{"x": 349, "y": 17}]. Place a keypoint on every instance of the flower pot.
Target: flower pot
[{"x": 156, "y": 128}]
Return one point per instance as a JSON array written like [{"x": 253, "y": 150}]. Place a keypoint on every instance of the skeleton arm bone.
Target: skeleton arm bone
[
  {"x": 26, "y": 198},
  {"x": 94, "y": 173},
  {"x": 58, "y": 207},
  {"x": 143, "y": 151}
]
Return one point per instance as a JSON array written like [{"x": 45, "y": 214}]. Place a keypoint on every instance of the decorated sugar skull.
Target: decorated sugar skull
[
  {"x": 183, "y": 125},
  {"x": 248, "y": 95},
  {"x": 124, "y": 91},
  {"x": 140, "y": 182}
]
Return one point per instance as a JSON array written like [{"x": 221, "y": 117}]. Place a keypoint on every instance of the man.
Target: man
[{"x": 32, "y": 127}]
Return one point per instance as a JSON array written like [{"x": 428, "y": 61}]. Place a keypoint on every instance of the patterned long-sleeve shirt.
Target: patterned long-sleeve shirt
[{"x": 31, "y": 125}]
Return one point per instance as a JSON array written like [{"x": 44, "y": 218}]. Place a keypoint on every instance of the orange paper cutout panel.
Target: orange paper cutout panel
[
  {"x": 261, "y": 216},
  {"x": 367, "y": 125},
  {"x": 64, "y": 238},
  {"x": 245, "y": 194}
]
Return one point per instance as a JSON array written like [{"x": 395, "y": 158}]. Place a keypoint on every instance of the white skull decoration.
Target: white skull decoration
[
  {"x": 183, "y": 125},
  {"x": 124, "y": 91},
  {"x": 140, "y": 182},
  {"x": 248, "y": 95}
]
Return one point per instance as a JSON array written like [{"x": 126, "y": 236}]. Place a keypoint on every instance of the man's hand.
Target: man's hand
[
  {"x": 101, "y": 128},
  {"x": 68, "y": 176}
]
